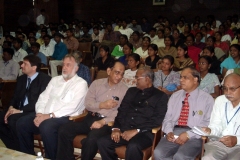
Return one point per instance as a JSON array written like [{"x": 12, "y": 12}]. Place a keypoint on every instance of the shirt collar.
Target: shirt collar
[
  {"x": 107, "y": 84},
  {"x": 194, "y": 93},
  {"x": 33, "y": 76},
  {"x": 71, "y": 79},
  {"x": 147, "y": 90}
]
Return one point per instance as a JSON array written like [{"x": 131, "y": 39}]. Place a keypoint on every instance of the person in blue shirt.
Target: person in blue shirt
[
  {"x": 83, "y": 71},
  {"x": 35, "y": 50},
  {"x": 60, "y": 50}
]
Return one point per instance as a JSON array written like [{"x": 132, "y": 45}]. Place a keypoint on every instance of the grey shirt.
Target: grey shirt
[
  {"x": 9, "y": 70},
  {"x": 200, "y": 108},
  {"x": 100, "y": 91}
]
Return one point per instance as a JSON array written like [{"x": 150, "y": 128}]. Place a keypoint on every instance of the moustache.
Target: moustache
[{"x": 228, "y": 96}]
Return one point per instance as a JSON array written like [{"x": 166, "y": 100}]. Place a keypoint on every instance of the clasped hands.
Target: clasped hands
[
  {"x": 126, "y": 135},
  {"x": 228, "y": 141},
  {"x": 182, "y": 138}
]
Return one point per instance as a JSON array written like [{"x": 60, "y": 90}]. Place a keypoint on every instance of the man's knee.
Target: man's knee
[
  {"x": 133, "y": 146},
  {"x": 157, "y": 153},
  {"x": 181, "y": 156}
]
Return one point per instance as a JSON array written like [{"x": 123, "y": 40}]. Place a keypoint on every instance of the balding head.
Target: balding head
[{"x": 231, "y": 88}]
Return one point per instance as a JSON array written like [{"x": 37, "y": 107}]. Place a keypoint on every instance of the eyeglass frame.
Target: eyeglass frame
[{"x": 232, "y": 89}]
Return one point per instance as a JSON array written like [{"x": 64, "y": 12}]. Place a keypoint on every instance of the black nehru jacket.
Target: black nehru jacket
[
  {"x": 141, "y": 109},
  {"x": 37, "y": 86}
]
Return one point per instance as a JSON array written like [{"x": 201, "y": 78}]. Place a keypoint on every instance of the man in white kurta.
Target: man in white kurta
[
  {"x": 63, "y": 97},
  {"x": 225, "y": 123}
]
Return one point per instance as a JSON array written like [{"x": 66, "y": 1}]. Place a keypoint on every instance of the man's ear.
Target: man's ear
[{"x": 108, "y": 71}]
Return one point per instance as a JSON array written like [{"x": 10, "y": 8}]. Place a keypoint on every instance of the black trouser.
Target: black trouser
[
  {"x": 134, "y": 146},
  {"x": 89, "y": 145},
  {"x": 8, "y": 132}
]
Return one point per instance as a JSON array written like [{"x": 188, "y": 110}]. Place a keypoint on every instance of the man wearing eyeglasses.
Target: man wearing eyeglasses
[
  {"x": 225, "y": 123},
  {"x": 187, "y": 108},
  {"x": 102, "y": 101}
]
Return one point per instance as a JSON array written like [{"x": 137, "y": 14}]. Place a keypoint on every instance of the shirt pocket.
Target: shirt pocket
[{"x": 67, "y": 97}]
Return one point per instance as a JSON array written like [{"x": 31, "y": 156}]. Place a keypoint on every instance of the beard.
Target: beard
[{"x": 70, "y": 75}]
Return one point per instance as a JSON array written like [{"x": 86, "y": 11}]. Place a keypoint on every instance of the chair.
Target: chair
[
  {"x": 7, "y": 92},
  {"x": 85, "y": 48},
  {"x": 44, "y": 70}
]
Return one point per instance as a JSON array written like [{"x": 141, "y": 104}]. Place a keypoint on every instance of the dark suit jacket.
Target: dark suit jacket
[{"x": 37, "y": 86}]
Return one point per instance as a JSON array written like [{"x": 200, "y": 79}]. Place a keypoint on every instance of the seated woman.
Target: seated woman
[
  {"x": 210, "y": 32},
  {"x": 218, "y": 51},
  {"x": 129, "y": 75},
  {"x": 176, "y": 38},
  {"x": 215, "y": 65},
  {"x": 136, "y": 40},
  {"x": 118, "y": 49},
  {"x": 182, "y": 59},
  {"x": 236, "y": 40},
  {"x": 187, "y": 30},
  {"x": 103, "y": 62},
  {"x": 193, "y": 51},
  {"x": 143, "y": 51},
  {"x": 232, "y": 61},
  {"x": 165, "y": 79},
  {"x": 159, "y": 41},
  {"x": 195, "y": 29},
  {"x": 152, "y": 58},
  {"x": 209, "y": 81},
  {"x": 127, "y": 50},
  {"x": 225, "y": 36},
  {"x": 168, "y": 49},
  {"x": 198, "y": 39},
  {"x": 223, "y": 45}
]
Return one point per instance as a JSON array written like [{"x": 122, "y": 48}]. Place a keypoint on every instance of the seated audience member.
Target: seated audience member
[
  {"x": 210, "y": 31},
  {"x": 40, "y": 40},
  {"x": 236, "y": 40},
  {"x": 153, "y": 57},
  {"x": 8, "y": 68},
  {"x": 143, "y": 50},
  {"x": 193, "y": 51},
  {"x": 118, "y": 25},
  {"x": 215, "y": 65},
  {"x": 158, "y": 23},
  {"x": 86, "y": 37},
  {"x": 83, "y": 71},
  {"x": 118, "y": 49},
  {"x": 233, "y": 61},
  {"x": 136, "y": 40},
  {"x": 209, "y": 81},
  {"x": 76, "y": 32},
  {"x": 195, "y": 29},
  {"x": 97, "y": 38},
  {"x": 103, "y": 62},
  {"x": 176, "y": 38},
  {"x": 28, "y": 88},
  {"x": 102, "y": 101},
  {"x": 182, "y": 61},
  {"x": 71, "y": 42},
  {"x": 214, "y": 26},
  {"x": 110, "y": 35},
  {"x": 24, "y": 43},
  {"x": 187, "y": 31},
  {"x": 127, "y": 50},
  {"x": 187, "y": 108},
  {"x": 135, "y": 27},
  {"x": 47, "y": 48},
  {"x": 125, "y": 31},
  {"x": 218, "y": 51},
  {"x": 168, "y": 49},
  {"x": 60, "y": 50},
  {"x": 31, "y": 41},
  {"x": 19, "y": 52},
  {"x": 63, "y": 97},
  {"x": 159, "y": 41},
  {"x": 146, "y": 26},
  {"x": 131, "y": 128},
  {"x": 152, "y": 34},
  {"x": 225, "y": 37},
  {"x": 165, "y": 79},
  {"x": 223, "y": 45},
  {"x": 227, "y": 105},
  {"x": 129, "y": 74},
  {"x": 198, "y": 43},
  {"x": 35, "y": 50},
  {"x": 204, "y": 33},
  {"x": 167, "y": 31},
  {"x": 180, "y": 26},
  {"x": 7, "y": 44}
]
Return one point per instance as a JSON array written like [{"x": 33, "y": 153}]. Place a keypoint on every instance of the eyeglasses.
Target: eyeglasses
[
  {"x": 137, "y": 78},
  {"x": 231, "y": 89}
]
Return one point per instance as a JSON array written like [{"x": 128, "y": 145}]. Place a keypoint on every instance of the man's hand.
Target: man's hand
[
  {"x": 109, "y": 104},
  {"x": 170, "y": 137},
  {"x": 183, "y": 138},
  {"x": 116, "y": 133},
  {"x": 229, "y": 141},
  {"x": 98, "y": 124},
  {"x": 127, "y": 135},
  {"x": 206, "y": 130},
  {"x": 40, "y": 118},
  {"x": 10, "y": 111}
]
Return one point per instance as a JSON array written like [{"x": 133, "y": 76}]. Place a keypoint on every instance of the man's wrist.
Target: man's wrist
[
  {"x": 187, "y": 135},
  {"x": 115, "y": 129}
]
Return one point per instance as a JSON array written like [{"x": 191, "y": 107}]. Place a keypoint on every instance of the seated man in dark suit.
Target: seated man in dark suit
[
  {"x": 142, "y": 108},
  {"x": 23, "y": 102}
]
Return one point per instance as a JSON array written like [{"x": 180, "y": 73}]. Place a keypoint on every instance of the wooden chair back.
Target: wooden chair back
[{"x": 7, "y": 92}]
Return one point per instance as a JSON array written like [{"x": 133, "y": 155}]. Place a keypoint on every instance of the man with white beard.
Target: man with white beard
[{"x": 63, "y": 97}]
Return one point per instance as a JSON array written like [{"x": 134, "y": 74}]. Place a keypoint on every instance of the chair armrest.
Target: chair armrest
[
  {"x": 79, "y": 117},
  {"x": 5, "y": 81},
  {"x": 155, "y": 130}
]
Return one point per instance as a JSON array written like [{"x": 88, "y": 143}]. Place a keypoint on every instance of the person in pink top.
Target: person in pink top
[
  {"x": 223, "y": 45},
  {"x": 193, "y": 51}
]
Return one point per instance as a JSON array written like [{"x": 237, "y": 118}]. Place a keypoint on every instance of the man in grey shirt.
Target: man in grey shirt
[{"x": 187, "y": 108}]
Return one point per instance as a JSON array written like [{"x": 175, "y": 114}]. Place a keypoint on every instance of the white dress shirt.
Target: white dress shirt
[
  {"x": 40, "y": 20},
  {"x": 225, "y": 119},
  {"x": 127, "y": 31},
  {"x": 19, "y": 55},
  {"x": 63, "y": 98},
  {"x": 47, "y": 50}
]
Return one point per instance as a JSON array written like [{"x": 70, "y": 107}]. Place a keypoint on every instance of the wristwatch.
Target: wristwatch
[{"x": 51, "y": 115}]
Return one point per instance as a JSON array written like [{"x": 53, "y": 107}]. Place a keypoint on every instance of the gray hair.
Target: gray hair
[
  {"x": 147, "y": 72},
  {"x": 195, "y": 73},
  {"x": 75, "y": 56}
]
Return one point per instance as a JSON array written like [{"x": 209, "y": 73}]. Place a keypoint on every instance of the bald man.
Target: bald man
[{"x": 225, "y": 123}]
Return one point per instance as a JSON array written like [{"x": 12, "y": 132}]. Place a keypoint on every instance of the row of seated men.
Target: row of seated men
[{"x": 42, "y": 105}]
